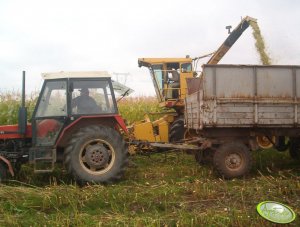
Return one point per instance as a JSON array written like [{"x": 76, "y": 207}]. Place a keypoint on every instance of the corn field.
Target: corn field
[{"x": 132, "y": 109}]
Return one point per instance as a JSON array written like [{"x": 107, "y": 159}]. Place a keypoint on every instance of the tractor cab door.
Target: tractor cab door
[{"x": 50, "y": 113}]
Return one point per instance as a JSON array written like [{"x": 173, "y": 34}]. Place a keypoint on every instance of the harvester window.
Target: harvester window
[
  {"x": 158, "y": 73},
  {"x": 173, "y": 75},
  {"x": 158, "y": 79},
  {"x": 186, "y": 67},
  {"x": 53, "y": 101},
  {"x": 173, "y": 83}
]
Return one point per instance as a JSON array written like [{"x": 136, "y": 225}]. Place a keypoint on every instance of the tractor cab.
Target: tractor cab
[
  {"x": 169, "y": 78},
  {"x": 69, "y": 104},
  {"x": 75, "y": 121},
  {"x": 68, "y": 96}
]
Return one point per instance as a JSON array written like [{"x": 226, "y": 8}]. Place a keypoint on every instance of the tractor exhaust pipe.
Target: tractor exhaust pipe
[
  {"x": 23, "y": 90},
  {"x": 22, "y": 118}
]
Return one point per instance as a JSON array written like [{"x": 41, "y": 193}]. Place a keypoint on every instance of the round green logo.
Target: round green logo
[{"x": 276, "y": 212}]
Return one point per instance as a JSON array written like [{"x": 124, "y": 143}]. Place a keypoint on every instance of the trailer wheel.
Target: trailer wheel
[
  {"x": 3, "y": 171},
  {"x": 294, "y": 149},
  {"x": 96, "y": 154},
  {"x": 177, "y": 130},
  {"x": 232, "y": 160}
]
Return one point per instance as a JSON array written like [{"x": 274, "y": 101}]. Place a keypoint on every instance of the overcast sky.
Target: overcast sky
[{"x": 58, "y": 35}]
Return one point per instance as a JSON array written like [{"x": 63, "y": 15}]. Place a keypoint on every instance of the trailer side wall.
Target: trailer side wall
[{"x": 245, "y": 96}]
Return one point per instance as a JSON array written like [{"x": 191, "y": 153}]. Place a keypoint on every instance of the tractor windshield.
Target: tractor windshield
[{"x": 92, "y": 97}]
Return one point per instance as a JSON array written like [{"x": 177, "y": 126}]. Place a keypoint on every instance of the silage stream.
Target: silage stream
[{"x": 260, "y": 44}]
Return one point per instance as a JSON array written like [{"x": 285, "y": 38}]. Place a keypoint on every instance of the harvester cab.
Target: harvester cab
[
  {"x": 75, "y": 121},
  {"x": 169, "y": 74},
  {"x": 170, "y": 77}
]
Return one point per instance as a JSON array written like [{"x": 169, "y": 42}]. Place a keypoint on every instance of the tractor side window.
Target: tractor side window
[
  {"x": 53, "y": 101},
  {"x": 186, "y": 67},
  {"x": 92, "y": 97}
]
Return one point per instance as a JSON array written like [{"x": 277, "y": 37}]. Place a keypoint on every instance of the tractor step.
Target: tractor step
[{"x": 43, "y": 159}]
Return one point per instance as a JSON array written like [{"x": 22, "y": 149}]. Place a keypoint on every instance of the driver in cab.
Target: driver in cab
[{"x": 84, "y": 103}]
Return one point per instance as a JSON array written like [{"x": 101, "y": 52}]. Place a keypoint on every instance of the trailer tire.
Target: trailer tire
[
  {"x": 177, "y": 130},
  {"x": 232, "y": 160},
  {"x": 294, "y": 149},
  {"x": 96, "y": 154},
  {"x": 3, "y": 171}
]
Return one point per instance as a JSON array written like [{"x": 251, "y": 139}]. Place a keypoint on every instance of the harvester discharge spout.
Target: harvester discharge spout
[{"x": 231, "y": 39}]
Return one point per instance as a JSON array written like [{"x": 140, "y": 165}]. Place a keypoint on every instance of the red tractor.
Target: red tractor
[{"x": 75, "y": 121}]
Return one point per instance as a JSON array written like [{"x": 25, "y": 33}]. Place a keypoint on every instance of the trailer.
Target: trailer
[{"x": 236, "y": 109}]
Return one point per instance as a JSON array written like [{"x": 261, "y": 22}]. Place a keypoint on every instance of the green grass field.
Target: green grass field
[
  {"x": 157, "y": 190},
  {"x": 160, "y": 190}
]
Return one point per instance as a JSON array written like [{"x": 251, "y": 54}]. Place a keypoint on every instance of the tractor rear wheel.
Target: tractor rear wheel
[
  {"x": 232, "y": 160},
  {"x": 177, "y": 130},
  {"x": 3, "y": 171},
  {"x": 96, "y": 154}
]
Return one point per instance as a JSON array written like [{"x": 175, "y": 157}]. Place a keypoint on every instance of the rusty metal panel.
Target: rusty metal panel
[
  {"x": 207, "y": 80},
  {"x": 297, "y": 72},
  {"x": 225, "y": 82},
  {"x": 192, "y": 111},
  {"x": 235, "y": 114},
  {"x": 207, "y": 112},
  {"x": 193, "y": 85},
  {"x": 297, "y": 114},
  {"x": 276, "y": 114},
  {"x": 246, "y": 96},
  {"x": 274, "y": 82},
  {"x": 234, "y": 83},
  {"x": 268, "y": 108}
]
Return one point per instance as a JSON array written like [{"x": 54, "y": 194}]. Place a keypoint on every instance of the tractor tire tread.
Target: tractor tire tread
[{"x": 107, "y": 134}]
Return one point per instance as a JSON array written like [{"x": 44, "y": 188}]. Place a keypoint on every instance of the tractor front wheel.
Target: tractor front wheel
[{"x": 96, "y": 154}]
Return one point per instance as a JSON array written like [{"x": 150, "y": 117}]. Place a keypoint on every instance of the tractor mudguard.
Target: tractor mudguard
[{"x": 113, "y": 120}]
